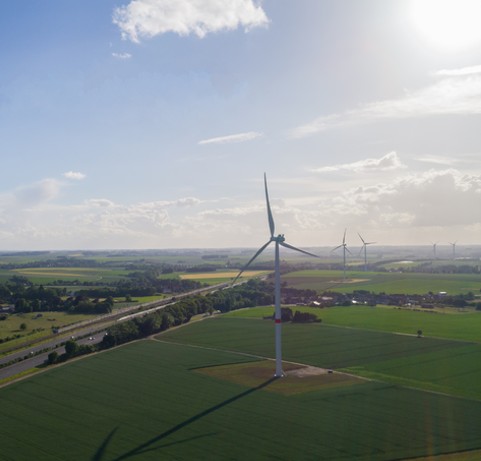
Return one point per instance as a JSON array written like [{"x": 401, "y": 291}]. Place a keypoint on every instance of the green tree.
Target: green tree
[
  {"x": 23, "y": 326},
  {"x": 52, "y": 357},
  {"x": 71, "y": 348}
]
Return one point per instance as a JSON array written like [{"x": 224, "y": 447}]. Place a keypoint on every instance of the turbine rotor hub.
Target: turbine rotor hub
[{"x": 279, "y": 239}]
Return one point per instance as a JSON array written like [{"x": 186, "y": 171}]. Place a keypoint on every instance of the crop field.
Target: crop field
[
  {"x": 213, "y": 278},
  {"x": 155, "y": 400},
  {"x": 446, "y": 323},
  {"x": 354, "y": 350},
  {"x": 52, "y": 274},
  {"x": 387, "y": 282}
]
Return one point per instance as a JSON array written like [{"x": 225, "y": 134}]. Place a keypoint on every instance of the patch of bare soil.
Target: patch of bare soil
[
  {"x": 298, "y": 378},
  {"x": 349, "y": 281},
  {"x": 304, "y": 372}
]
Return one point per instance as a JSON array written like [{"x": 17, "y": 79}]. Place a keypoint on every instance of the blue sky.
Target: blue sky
[{"x": 150, "y": 123}]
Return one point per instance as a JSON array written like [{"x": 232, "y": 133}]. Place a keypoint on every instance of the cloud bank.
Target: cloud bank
[
  {"x": 388, "y": 162},
  {"x": 149, "y": 18},
  {"x": 457, "y": 93}
]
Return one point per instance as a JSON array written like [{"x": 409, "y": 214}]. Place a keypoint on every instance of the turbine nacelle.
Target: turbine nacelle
[{"x": 279, "y": 239}]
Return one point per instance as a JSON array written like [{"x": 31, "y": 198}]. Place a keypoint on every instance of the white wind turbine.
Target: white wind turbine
[
  {"x": 364, "y": 247},
  {"x": 435, "y": 244},
  {"x": 343, "y": 245},
  {"x": 453, "y": 244},
  {"x": 279, "y": 241}
]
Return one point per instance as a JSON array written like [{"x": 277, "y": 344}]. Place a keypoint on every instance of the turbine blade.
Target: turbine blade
[
  {"x": 347, "y": 249},
  {"x": 344, "y": 238},
  {"x": 338, "y": 246},
  {"x": 269, "y": 212},
  {"x": 286, "y": 245},
  {"x": 361, "y": 238},
  {"x": 259, "y": 251}
]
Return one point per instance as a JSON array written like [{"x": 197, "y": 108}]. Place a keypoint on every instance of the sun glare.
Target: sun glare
[{"x": 449, "y": 24}]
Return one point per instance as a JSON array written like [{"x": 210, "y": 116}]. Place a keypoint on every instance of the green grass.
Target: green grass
[
  {"x": 387, "y": 282},
  {"x": 11, "y": 325},
  {"x": 48, "y": 275},
  {"x": 463, "y": 326},
  {"x": 400, "y": 359},
  {"x": 147, "y": 401}
]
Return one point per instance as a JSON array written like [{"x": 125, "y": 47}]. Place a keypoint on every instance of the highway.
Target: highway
[
  {"x": 39, "y": 359},
  {"x": 86, "y": 330}
]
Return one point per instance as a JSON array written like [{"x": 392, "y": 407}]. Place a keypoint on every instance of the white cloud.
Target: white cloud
[
  {"x": 149, "y": 18},
  {"x": 457, "y": 72},
  {"x": 438, "y": 160},
  {"x": 240, "y": 137},
  {"x": 76, "y": 175},
  {"x": 389, "y": 161},
  {"x": 36, "y": 194},
  {"x": 33, "y": 219},
  {"x": 433, "y": 198},
  {"x": 122, "y": 56},
  {"x": 458, "y": 93}
]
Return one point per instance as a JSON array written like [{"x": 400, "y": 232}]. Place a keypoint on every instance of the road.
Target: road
[
  {"x": 36, "y": 360},
  {"x": 85, "y": 332}
]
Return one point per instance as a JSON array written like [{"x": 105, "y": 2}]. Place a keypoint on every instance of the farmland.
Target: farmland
[
  {"x": 387, "y": 282},
  {"x": 206, "y": 389},
  {"x": 194, "y": 393},
  {"x": 446, "y": 323},
  {"x": 213, "y": 278}
]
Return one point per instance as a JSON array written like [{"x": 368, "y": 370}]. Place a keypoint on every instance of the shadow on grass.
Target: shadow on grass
[{"x": 149, "y": 444}]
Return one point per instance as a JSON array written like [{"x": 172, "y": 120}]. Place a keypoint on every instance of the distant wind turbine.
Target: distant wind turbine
[
  {"x": 343, "y": 245},
  {"x": 453, "y": 244},
  {"x": 279, "y": 241},
  {"x": 364, "y": 247},
  {"x": 435, "y": 244}
]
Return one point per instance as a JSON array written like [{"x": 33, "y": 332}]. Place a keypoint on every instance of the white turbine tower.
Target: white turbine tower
[
  {"x": 364, "y": 247},
  {"x": 279, "y": 241},
  {"x": 343, "y": 245},
  {"x": 453, "y": 244},
  {"x": 435, "y": 244}
]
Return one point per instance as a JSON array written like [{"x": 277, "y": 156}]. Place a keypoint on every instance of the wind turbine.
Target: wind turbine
[
  {"x": 279, "y": 241},
  {"x": 453, "y": 244},
  {"x": 344, "y": 249},
  {"x": 364, "y": 247},
  {"x": 435, "y": 244}
]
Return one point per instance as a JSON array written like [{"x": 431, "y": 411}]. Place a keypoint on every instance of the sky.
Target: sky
[{"x": 139, "y": 124}]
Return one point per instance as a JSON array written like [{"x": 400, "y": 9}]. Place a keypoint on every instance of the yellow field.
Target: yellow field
[{"x": 219, "y": 275}]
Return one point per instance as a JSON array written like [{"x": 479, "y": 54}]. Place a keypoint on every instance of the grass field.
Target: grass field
[
  {"x": 11, "y": 325},
  {"x": 46, "y": 275},
  {"x": 399, "y": 359},
  {"x": 152, "y": 400},
  {"x": 387, "y": 282},
  {"x": 205, "y": 391},
  {"x": 443, "y": 323}
]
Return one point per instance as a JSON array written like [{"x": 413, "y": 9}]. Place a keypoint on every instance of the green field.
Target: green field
[
  {"x": 150, "y": 401},
  {"x": 205, "y": 390},
  {"x": 442, "y": 323},
  {"x": 42, "y": 324},
  {"x": 384, "y": 282}
]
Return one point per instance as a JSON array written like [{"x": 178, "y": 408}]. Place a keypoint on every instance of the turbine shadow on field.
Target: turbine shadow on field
[
  {"x": 148, "y": 445},
  {"x": 101, "y": 451}
]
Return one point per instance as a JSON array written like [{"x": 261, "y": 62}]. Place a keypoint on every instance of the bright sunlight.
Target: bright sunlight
[{"x": 448, "y": 24}]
